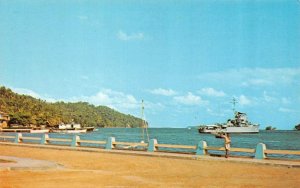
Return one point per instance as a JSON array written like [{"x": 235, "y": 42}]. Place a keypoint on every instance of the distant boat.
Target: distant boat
[
  {"x": 239, "y": 124},
  {"x": 71, "y": 131},
  {"x": 72, "y": 128}
]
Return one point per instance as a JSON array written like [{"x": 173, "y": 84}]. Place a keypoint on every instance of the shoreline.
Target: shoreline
[{"x": 94, "y": 169}]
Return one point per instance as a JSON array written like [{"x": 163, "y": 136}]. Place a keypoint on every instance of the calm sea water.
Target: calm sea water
[{"x": 284, "y": 140}]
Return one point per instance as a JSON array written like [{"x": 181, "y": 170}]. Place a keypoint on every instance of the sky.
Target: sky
[{"x": 186, "y": 59}]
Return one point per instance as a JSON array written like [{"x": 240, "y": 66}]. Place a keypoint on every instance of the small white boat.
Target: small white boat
[
  {"x": 72, "y": 128},
  {"x": 71, "y": 131}
]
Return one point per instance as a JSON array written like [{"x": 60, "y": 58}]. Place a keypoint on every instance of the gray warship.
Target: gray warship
[{"x": 239, "y": 124}]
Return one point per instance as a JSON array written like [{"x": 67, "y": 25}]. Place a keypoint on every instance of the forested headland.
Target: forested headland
[{"x": 28, "y": 111}]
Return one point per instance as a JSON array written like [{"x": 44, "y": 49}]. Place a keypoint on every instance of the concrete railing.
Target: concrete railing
[{"x": 260, "y": 152}]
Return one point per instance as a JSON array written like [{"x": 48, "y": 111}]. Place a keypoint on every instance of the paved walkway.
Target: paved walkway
[
  {"x": 287, "y": 163},
  {"x": 16, "y": 163}
]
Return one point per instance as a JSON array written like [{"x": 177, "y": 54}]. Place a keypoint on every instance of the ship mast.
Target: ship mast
[
  {"x": 144, "y": 124},
  {"x": 234, "y": 102}
]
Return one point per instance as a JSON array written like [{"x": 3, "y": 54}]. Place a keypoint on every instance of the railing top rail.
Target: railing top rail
[
  {"x": 3, "y": 136},
  {"x": 287, "y": 152},
  {"x": 30, "y": 138},
  {"x": 59, "y": 139},
  {"x": 248, "y": 150},
  {"x": 215, "y": 148},
  {"x": 131, "y": 143},
  {"x": 92, "y": 141},
  {"x": 175, "y": 146}
]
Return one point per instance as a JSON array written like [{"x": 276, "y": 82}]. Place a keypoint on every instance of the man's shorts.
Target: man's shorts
[{"x": 227, "y": 146}]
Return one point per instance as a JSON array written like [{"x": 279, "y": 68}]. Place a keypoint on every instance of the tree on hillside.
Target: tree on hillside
[
  {"x": 270, "y": 128},
  {"x": 26, "y": 110},
  {"x": 297, "y": 127}
]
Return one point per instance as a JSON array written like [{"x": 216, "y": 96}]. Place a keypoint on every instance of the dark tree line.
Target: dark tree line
[
  {"x": 26, "y": 110},
  {"x": 270, "y": 128}
]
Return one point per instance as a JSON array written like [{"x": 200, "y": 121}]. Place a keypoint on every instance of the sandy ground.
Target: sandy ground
[{"x": 91, "y": 169}]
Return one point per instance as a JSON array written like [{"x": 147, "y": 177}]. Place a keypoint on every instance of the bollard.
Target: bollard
[
  {"x": 109, "y": 143},
  {"x": 151, "y": 145},
  {"x": 260, "y": 151},
  {"x": 44, "y": 139},
  {"x": 18, "y": 138},
  {"x": 201, "y": 148},
  {"x": 75, "y": 141}
]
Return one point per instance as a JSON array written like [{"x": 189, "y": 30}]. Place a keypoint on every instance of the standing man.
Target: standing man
[{"x": 227, "y": 142}]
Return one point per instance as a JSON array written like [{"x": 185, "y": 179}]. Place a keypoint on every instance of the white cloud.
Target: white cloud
[
  {"x": 153, "y": 108},
  {"x": 257, "y": 82},
  {"x": 127, "y": 37},
  {"x": 287, "y": 110},
  {"x": 122, "y": 102},
  {"x": 285, "y": 100},
  {"x": 29, "y": 92},
  {"x": 33, "y": 94},
  {"x": 218, "y": 114},
  {"x": 212, "y": 92},
  {"x": 165, "y": 92},
  {"x": 268, "y": 98},
  {"x": 190, "y": 99},
  {"x": 258, "y": 77},
  {"x": 275, "y": 99},
  {"x": 243, "y": 100},
  {"x": 113, "y": 99},
  {"x": 119, "y": 101}
]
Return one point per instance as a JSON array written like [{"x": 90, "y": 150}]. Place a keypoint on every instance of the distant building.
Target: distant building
[{"x": 4, "y": 118}]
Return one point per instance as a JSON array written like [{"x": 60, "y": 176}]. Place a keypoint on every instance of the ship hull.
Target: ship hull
[
  {"x": 69, "y": 131},
  {"x": 239, "y": 130},
  {"x": 250, "y": 129}
]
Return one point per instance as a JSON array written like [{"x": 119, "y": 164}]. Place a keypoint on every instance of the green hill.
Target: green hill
[{"x": 26, "y": 110}]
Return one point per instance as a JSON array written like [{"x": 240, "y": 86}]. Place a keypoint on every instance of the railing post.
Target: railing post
[
  {"x": 18, "y": 138},
  {"x": 151, "y": 145},
  {"x": 109, "y": 143},
  {"x": 260, "y": 151},
  {"x": 201, "y": 148},
  {"x": 44, "y": 139},
  {"x": 75, "y": 141}
]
